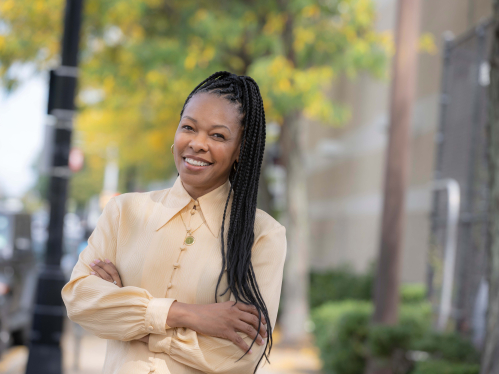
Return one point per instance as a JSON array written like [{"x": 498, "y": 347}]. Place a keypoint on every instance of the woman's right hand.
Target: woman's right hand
[{"x": 222, "y": 320}]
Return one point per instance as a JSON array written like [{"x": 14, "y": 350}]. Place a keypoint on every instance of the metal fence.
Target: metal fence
[{"x": 462, "y": 158}]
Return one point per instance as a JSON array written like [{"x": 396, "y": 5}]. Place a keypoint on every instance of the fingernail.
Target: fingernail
[
  {"x": 92, "y": 264},
  {"x": 250, "y": 351},
  {"x": 96, "y": 261},
  {"x": 92, "y": 272},
  {"x": 107, "y": 261}
]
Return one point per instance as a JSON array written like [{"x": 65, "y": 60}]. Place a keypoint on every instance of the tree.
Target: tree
[
  {"x": 490, "y": 360},
  {"x": 403, "y": 89},
  {"x": 142, "y": 57}
]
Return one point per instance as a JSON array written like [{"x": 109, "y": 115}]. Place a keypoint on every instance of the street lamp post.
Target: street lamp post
[{"x": 45, "y": 350}]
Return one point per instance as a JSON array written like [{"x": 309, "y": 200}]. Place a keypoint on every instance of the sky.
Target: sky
[{"x": 22, "y": 123}]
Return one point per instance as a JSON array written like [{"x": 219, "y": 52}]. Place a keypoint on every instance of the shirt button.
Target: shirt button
[
  {"x": 150, "y": 328},
  {"x": 170, "y": 285},
  {"x": 176, "y": 265},
  {"x": 193, "y": 211},
  {"x": 153, "y": 369},
  {"x": 183, "y": 247}
]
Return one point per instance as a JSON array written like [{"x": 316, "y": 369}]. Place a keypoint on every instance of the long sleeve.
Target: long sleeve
[
  {"x": 106, "y": 310},
  {"x": 215, "y": 355}
]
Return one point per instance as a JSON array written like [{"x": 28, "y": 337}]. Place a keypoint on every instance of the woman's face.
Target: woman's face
[{"x": 207, "y": 142}]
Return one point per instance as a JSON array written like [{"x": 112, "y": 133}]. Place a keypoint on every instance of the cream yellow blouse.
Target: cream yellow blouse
[{"x": 143, "y": 235}]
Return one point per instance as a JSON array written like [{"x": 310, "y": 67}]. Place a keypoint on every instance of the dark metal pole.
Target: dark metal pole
[{"x": 45, "y": 351}]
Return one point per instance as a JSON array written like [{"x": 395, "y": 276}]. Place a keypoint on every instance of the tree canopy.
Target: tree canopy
[{"x": 141, "y": 58}]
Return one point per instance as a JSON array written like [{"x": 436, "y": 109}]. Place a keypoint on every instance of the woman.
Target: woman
[{"x": 186, "y": 280}]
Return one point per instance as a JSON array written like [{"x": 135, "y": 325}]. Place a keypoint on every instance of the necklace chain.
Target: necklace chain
[{"x": 189, "y": 238}]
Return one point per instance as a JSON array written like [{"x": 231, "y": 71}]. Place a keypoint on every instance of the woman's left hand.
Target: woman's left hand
[{"x": 106, "y": 270}]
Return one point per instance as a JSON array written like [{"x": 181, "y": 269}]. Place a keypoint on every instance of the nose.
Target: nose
[{"x": 199, "y": 143}]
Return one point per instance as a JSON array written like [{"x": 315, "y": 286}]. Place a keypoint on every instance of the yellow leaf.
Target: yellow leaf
[{"x": 427, "y": 43}]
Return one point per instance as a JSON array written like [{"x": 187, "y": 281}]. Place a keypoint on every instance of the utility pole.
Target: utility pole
[
  {"x": 403, "y": 88},
  {"x": 44, "y": 350}
]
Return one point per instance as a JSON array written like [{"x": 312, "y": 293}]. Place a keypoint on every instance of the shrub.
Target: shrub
[
  {"x": 341, "y": 312},
  {"x": 344, "y": 284},
  {"x": 341, "y": 331},
  {"x": 345, "y": 337},
  {"x": 449, "y": 347},
  {"x": 412, "y": 293},
  {"x": 445, "y": 367},
  {"x": 338, "y": 285}
]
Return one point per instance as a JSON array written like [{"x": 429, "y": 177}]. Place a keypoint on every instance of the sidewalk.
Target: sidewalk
[{"x": 283, "y": 360}]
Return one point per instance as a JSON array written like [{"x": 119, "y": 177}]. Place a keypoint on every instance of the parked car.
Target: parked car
[{"x": 18, "y": 277}]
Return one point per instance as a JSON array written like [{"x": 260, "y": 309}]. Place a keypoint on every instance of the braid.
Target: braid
[{"x": 243, "y": 92}]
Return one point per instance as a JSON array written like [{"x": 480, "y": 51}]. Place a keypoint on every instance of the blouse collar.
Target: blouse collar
[{"x": 212, "y": 205}]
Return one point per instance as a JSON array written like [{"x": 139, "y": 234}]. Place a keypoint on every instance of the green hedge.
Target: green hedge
[
  {"x": 338, "y": 285},
  {"x": 448, "y": 347},
  {"x": 346, "y": 339},
  {"x": 341, "y": 332},
  {"x": 345, "y": 284},
  {"x": 445, "y": 367}
]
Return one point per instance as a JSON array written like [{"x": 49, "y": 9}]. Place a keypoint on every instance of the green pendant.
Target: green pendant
[{"x": 189, "y": 240}]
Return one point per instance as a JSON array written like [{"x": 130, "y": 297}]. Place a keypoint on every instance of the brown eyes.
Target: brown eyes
[{"x": 216, "y": 135}]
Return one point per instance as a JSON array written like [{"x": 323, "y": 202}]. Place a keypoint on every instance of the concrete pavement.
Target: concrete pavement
[{"x": 284, "y": 360}]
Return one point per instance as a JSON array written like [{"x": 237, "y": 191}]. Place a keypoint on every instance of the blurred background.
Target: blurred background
[{"x": 326, "y": 70}]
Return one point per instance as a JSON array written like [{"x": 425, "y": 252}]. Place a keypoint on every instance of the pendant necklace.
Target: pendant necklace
[{"x": 189, "y": 238}]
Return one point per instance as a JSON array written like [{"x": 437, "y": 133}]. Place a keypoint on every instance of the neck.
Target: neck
[{"x": 197, "y": 191}]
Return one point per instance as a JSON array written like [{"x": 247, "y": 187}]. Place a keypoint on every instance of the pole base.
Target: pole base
[{"x": 44, "y": 359}]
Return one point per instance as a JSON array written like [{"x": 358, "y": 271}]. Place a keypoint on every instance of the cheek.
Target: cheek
[
  {"x": 180, "y": 141},
  {"x": 224, "y": 154}
]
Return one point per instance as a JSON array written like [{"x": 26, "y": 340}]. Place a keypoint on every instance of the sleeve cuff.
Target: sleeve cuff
[
  {"x": 156, "y": 314},
  {"x": 161, "y": 343}
]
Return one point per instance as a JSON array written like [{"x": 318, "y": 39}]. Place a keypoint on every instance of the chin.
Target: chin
[{"x": 194, "y": 179}]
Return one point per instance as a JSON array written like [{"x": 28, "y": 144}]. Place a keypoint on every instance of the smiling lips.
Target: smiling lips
[{"x": 194, "y": 162}]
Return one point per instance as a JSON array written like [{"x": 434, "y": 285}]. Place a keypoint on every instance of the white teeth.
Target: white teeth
[{"x": 195, "y": 162}]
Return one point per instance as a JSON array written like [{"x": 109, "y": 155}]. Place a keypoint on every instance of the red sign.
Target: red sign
[{"x": 76, "y": 159}]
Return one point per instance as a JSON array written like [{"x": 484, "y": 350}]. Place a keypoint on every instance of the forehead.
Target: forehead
[{"x": 212, "y": 109}]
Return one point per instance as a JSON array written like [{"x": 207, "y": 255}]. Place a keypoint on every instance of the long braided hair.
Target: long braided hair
[{"x": 243, "y": 92}]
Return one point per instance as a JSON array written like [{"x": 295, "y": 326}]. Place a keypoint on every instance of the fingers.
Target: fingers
[
  {"x": 94, "y": 273},
  {"x": 254, "y": 322},
  {"x": 249, "y": 330},
  {"x": 253, "y": 310},
  {"x": 101, "y": 272},
  {"x": 107, "y": 271},
  {"x": 238, "y": 341}
]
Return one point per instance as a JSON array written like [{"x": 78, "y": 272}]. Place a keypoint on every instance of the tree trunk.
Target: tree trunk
[
  {"x": 295, "y": 286},
  {"x": 386, "y": 291},
  {"x": 490, "y": 358}
]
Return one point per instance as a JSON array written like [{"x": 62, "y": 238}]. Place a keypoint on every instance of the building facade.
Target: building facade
[{"x": 346, "y": 165}]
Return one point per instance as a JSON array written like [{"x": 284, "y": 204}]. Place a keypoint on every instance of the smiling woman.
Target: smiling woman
[
  {"x": 186, "y": 280},
  {"x": 207, "y": 142}
]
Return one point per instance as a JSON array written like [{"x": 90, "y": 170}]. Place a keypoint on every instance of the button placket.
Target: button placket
[
  {"x": 183, "y": 247},
  {"x": 152, "y": 368}
]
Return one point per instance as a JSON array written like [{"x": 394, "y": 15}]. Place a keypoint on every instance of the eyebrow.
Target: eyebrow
[{"x": 215, "y": 126}]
